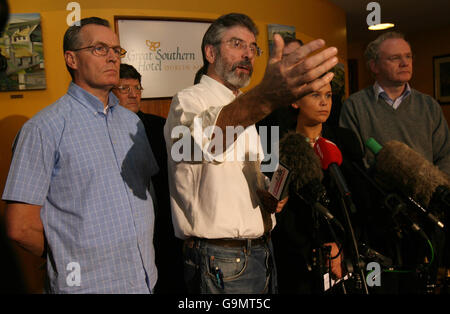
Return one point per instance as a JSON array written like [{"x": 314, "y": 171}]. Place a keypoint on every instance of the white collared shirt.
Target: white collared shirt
[
  {"x": 214, "y": 199},
  {"x": 380, "y": 92}
]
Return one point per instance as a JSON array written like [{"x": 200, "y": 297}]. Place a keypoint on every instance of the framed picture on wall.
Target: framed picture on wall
[
  {"x": 441, "y": 70},
  {"x": 22, "y": 54},
  {"x": 165, "y": 51},
  {"x": 283, "y": 30}
]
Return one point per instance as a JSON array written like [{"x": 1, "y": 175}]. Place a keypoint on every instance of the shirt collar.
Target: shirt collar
[
  {"x": 379, "y": 91},
  {"x": 90, "y": 101}
]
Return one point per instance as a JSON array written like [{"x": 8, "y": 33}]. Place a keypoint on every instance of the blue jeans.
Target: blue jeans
[{"x": 214, "y": 269}]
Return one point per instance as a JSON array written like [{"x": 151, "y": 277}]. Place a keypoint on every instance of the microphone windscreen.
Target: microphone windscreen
[
  {"x": 328, "y": 152},
  {"x": 299, "y": 157},
  {"x": 399, "y": 166}
]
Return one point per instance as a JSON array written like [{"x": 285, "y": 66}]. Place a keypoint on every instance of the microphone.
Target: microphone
[
  {"x": 314, "y": 194},
  {"x": 305, "y": 173},
  {"x": 331, "y": 158},
  {"x": 394, "y": 203},
  {"x": 398, "y": 166}
]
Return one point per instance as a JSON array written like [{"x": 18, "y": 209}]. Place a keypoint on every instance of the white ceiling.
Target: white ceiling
[{"x": 409, "y": 16}]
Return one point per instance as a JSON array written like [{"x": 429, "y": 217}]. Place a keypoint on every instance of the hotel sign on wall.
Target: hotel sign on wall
[{"x": 167, "y": 53}]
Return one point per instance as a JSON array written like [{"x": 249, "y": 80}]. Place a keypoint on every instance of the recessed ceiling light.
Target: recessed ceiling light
[{"x": 381, "y": 26}]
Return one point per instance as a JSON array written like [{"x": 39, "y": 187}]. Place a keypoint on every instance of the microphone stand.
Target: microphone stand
[
  {"x": 396, "y": 205},
  {"x": 335, "y": 238},
  {"x": 388, "y": 201},
  {"x": 357, "y": 262},
  {"x": 322, "y": 254},
  {"x": 345, "y": 198},
  {"x": 320, "y": 251},
  {"x": 317, "y": 256}
]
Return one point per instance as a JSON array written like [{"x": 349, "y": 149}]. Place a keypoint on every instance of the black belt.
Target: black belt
[{"x": 231, "y": 242}]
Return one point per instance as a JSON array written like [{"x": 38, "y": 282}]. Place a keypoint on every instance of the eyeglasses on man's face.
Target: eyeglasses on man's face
[
  {"x": 126, "y": 89},
  {"x": 102, "y": 50},
  {"x": 239, "y": 44}
]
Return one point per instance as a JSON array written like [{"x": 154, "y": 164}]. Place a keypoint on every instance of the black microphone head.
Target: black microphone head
[
  {"x": 313, "y": 192},
  {"x": 299, "y": 157}
]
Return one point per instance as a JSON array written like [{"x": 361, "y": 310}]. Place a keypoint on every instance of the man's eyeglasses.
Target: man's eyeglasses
[
  {"x": 102, "y": 50},
  {"x": 126, "y": 89},
  {"x": 237, "y": 43}
]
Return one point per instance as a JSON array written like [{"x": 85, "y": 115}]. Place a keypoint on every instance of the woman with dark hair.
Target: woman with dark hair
[
  {"x": 300, "y": 231},
  {"x": 301, "y": 234}
]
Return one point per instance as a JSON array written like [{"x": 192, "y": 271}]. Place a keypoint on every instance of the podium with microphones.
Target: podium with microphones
[
  {"x": 302, "y": 167},
  {"x": 416, "y": 192},
  {"x": 331, "y": 158},
  {"x": 411, "y": 191}
]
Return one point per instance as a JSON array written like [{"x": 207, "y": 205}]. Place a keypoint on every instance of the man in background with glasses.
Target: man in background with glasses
[
  {"x": 78, "y": 189},
  {"x": 169, "y": 262},
  {"x": 215, "y": 205}
]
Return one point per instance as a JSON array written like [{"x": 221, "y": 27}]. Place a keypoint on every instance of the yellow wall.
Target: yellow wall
[{"x": 312, "y": 19}]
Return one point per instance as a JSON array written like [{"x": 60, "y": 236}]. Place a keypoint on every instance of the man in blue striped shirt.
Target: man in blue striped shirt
[{"x": 79, "y": 182}]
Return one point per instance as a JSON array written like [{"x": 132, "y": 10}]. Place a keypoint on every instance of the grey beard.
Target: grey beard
[
  {"x": 236, "y": 80},
  {"x": 231, "y": 77}
]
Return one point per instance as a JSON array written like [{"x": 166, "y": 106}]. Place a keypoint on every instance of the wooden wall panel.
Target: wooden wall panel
[{"x": 158, "y": 106}]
